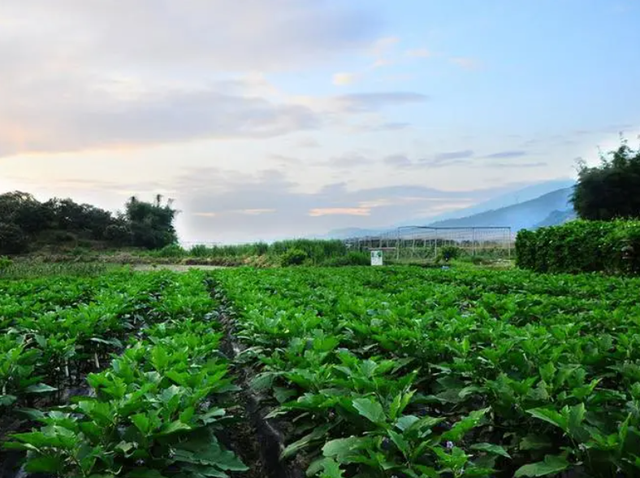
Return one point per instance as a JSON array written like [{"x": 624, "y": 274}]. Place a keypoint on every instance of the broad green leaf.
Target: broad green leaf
[
  {"x": 6, "y": 400},
  {"x": 370, "y": 409},
  {"x": 465, "y": 425},
  {"x": 173, "y": 427},
  {"x": 399, "y": 441},
  {"x": 45, "y": 464},
  {"x": 341, "y": 448},
  {"x": 552, "y": 464},
  {"x": 406, "y": 421},
  {"x": 40, "y": 388},
  {"x": 534, "y": 442},
  {"x": 491, "y": 448},
  {"x": 303, "y": 442},
  {"x": 550, "y": 416}
]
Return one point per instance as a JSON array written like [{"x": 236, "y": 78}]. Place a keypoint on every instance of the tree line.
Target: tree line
[
  {"x": 612, "y": 189},
  {"x": 26, "y": 222}
]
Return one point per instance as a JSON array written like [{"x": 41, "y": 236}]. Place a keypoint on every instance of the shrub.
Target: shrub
[
  {"x": 5, "y": 263},
  {"x": 447, "y": 253},
  {"x": 12, "y": 239},
  {"x": 581, "y": 246},
  {"x": 294, "y": 257},
  {"x": 352, "y": 258}
]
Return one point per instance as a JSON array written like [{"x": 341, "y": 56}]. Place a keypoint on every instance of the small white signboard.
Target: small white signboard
[{"x": 376, "y": 258}]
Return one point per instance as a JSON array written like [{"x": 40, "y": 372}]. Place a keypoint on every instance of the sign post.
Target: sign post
[{"x": 376, "y": 258}]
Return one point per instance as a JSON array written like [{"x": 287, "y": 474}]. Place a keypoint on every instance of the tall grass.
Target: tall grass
[
  {"x": 317, "y": 251},
  {"x": 31, "y": 269}
]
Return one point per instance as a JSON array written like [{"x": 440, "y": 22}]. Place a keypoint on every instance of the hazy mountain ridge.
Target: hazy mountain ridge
[
  {"x": 535, "y": 206},
  {"x": 525, "y": 215}
]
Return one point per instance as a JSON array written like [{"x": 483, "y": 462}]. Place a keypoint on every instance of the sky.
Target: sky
[{"x": 265, "y": 119}]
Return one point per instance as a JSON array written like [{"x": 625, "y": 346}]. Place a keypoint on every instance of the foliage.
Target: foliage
[
  {"x": 447, "y": 253},
  {"x": 317, "y": 252},
  {"x": 352, "y": 258},
  {"x": 610, "y": 190},
  {"x": 151, "y": 224},
  {"x": 148, "y": 349},
  {"x": 5, "y": 263},
  {"x": 581, "y": 246},
  {"x": 426, "y": 373},
  {"x": 27, "y": 222},
  {"x": 294, "y": 257},
  {"x": 12, "y": 239}
]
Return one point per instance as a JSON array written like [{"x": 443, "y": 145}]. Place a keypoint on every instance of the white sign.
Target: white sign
[{"x": 376, "y": 258}]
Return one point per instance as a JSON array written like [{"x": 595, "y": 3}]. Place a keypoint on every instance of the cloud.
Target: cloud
[
  {"x": 342, "y": 211},
  {"x": 377, "y": 126},
  {"x": 89, "y": 119},
  {"x": 515, "y": 165},
  {"x": 381, "y": 49},
  {"x": 451, "y": 155},
  {"x": 506, "y": 154},
  {"x": 277, "y": 34},
  {"x": 307, "y": 143},
  {"x": 466, "y": 63},
  {"x": 343, "y": 79},
  {"x": 398, "y": 161},
  {"x": 347, "y": 161},
  {"x": 366, "y": 102},
  {"x": 285, "y": 160},
  {"x": 168, "y": 72}
]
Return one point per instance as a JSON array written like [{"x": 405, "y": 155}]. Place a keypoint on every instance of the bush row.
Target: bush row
[{"x": 581, "y": 246}]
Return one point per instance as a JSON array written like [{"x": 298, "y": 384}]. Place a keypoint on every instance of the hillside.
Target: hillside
[{"x": 544, "y": 210}]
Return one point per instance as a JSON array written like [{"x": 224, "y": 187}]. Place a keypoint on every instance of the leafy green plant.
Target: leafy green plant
[{"x": 294, "y": 257}]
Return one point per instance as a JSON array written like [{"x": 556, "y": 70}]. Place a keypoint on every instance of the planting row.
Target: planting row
[
  {"x": 155, "y": 380},
  {"x": 425, "y": 373}
]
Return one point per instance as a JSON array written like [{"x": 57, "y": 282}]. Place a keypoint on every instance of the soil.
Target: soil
[{"x": 259, "y": 441}]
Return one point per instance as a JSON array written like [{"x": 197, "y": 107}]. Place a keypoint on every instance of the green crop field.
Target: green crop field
[{"x": 364, "y": 372}]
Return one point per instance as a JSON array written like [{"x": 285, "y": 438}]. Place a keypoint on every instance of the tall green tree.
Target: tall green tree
[
  {"x": 612, "y": 189},
  {"x": 151, "y": 223}
]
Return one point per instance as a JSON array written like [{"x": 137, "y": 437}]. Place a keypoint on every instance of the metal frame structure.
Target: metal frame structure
[{"x": 421, "y": 243}]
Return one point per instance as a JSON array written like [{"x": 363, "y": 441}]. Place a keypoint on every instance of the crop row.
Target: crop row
[
  {"x": 412, "y": 372},
  {"x": 147, "y": 347}
]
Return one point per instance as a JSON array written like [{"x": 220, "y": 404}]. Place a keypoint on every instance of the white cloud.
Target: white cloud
[
  {"x": 118, "y": 74},
  {"x": 343, "y": 79}
]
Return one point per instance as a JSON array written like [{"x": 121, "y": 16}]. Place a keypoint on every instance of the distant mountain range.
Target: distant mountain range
[
  {"x": 540, "y": 205},
  {"x": 548, "y": 209}
]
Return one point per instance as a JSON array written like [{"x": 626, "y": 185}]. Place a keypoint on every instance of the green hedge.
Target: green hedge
[{"x": 581, "y": 246}]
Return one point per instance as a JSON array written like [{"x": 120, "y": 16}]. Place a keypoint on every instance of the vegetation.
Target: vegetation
[
  {"x": 147, "y": 349},
  {"x": 28, "y": 224},
  {"x": 410, "y": 372},
  {"x": 286, "y": 253},
  {"x": 367, "y": 372},
  {"x": 581, "y": 246},
  {"x": 610, "y": 191}
]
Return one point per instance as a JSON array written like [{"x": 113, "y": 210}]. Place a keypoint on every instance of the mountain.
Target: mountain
[
  {"x": 508, "y": 199},
  {"x": 538, "y": 205},
  {"x": 544, "y": 210},
  {"x": 556, "y": 218}
]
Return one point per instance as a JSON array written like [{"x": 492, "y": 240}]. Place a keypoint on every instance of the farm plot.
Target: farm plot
[
  {"x": 408, "y": 372},
  {"x": 112, "y": 376}
]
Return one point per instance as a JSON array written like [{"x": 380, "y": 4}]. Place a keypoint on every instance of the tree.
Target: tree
[
  {"x": 25, "y": 211},
  {"x": 611, "y": 190},
  {"x": 12, "y": 239},
  {"x": 151, "y": 223}
]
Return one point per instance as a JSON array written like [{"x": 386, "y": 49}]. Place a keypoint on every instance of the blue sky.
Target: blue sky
[{"x": 276, "y": 118}]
